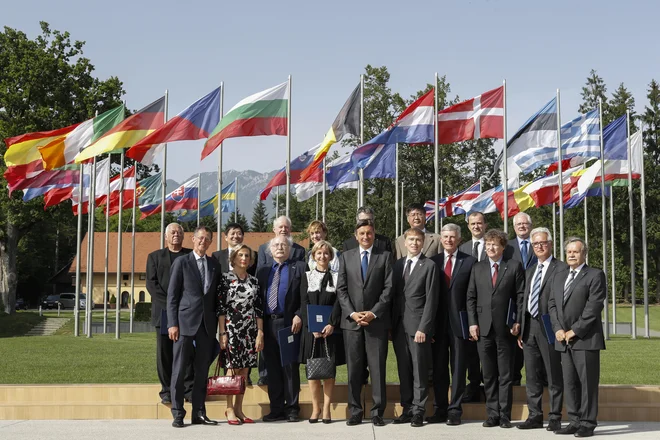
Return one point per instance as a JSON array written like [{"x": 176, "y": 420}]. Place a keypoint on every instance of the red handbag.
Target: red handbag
[{"x": 225, "y": 385}]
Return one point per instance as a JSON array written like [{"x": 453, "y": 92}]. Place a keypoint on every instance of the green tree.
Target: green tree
[
  {"x": 594, "y": 89},
  {"x": 259, "y": 222},
  {"x": 46, "y": 83},
  {"x": 623, "y": 100},
  {"x": 241, "y": 221},
  {"x": 651, "y": 133}
]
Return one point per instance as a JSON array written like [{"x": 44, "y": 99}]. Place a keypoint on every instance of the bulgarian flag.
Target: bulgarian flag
[{"x": 261, "y": 114}]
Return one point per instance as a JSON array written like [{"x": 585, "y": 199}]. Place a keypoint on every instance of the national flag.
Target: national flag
[
  {"x": 56, "y": 196},
  {"x": 64, "y": 150},
  {"x": 452, "y": 205},
  {"x": 100, "y": 188},
  {"x": 335, "y": 170},
  {"x": 577, "y": 198},
  {"x": 63, "y": 183},
  {"x": 127, "y": 133},
  {"x": 346, "y": 122},
  {"x": 477, "y": 118},
  {"x": 185, "y": 196},
  {"x": 115, "y": 186},
  {"x": 484, "y": 203},
  {"x": 209, "y": 207},
  {"x": 194, "y": 122},
  {"x": 379, "y": 165},
  {"x": 229, "y": 197},
  {"x": 261, "y": 114},
  {"x": 148, "y": 191},
  {"x": 57, "y": 178},
  {"x": 297, "y": 166}
]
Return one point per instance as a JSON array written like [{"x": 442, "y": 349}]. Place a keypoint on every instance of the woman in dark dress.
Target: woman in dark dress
[
  {"x": 240, "y": 319},
  {"x": 322, "y": 283}
]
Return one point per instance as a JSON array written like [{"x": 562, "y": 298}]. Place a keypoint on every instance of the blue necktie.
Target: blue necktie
[
  {"x": 536, "y": 292},
  {"x": 365, "y": 264},
  {"x": 523, "y": 252}
]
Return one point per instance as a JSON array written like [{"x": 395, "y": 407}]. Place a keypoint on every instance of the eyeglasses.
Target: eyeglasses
[
  {"x": 207, "y": 239},
  {"x": 279, "y": 245},
  {"x": 539, "y": 244},
  {"x": 523, "y": 224}
]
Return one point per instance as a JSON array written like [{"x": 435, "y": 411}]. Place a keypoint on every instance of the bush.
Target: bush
[
  {"x": 142, "y": 312},
  {"x": 113, "y": 300}
]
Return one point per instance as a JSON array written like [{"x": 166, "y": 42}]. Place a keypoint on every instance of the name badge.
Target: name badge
[
  {"x": 290, "y": 339},
  {"x": 319, "y": 318}
]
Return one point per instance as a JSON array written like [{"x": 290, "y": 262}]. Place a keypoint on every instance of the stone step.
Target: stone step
[{"x": 47, "y": 327}]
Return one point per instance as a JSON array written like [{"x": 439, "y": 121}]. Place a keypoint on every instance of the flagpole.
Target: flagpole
[
  {"x": 361, "y": 171},
  {"x": 436, "y": 160},
  {"x": 560, "y": 188},
  {"x": 162, "y": 199},
  {"x": 603, "y": 215},
  {"x": 199, "y": 190},
  {"x": 76, "y": 309},
  {"x": 554, "y": 228},
  {"x": 219, "y": 226},
  {"x": 586, "y": 226},
  {"x": 645, "y": 273},
  {"x": 402, "y": 210},
  {"x": 505, "y": 165},
  {"x": 277, "y": 204},
  {"x": 107, "y": 252},
  {"x": 90, "y": 242},
  {"x": 396, "y": 191},
  {"x": 324, "y": 189},
  {"x": 613, "y": 265},
  {"x": 442, "y": 190},
  {"x": 130, "y": 324},
  {"x": 288, "y": 148},
  {"x": 119, "y": 231},
  {"x": 317, "y": 207},
  {"x": 631, "y": 232},
  {"x": 236, "y": 199}
]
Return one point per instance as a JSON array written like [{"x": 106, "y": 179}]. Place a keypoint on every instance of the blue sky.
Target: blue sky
[{"x": 189, "y": 47}]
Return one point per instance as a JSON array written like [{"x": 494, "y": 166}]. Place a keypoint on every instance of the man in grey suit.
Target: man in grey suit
[
  {"x": 533, "y": 339},
  {"x": 575, "y": 304},
  {"x": 364, "y": 290},
  {"x": 416, "y": 216},
  {"x": 192, "y": 324},
  {"x": 477, "y": 245},
  {"x": 414, "y": 308},
  {"x": 496, "y": 287}
]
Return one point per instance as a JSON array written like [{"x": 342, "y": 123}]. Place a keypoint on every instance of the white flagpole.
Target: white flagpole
[
  {"x": 436, "y": 154},
  {"x": 119, "y": 237},
  {"x": 631, "y": 232},
  {"x": 586, "y": 226},
  {"x": 107, "y": 251},
  {"x": 324, "y": 189},
  {"x": 76, "y": 306},
  {"x": 402, "y": 210},
  {"x": 288, "y": 151},
  {"x": 612, "y": 261},
  {"x": 219, "y": 219},
  {"x": 645, "y": 273},
  {"x": 277, "y": 203},
  {"x": 603, "y": 215},
  {"x": 560, "y": 188},
  {"x": 90, "y": 250},
  {"x": 163, "y": 194},
  {"x": 554, "y": 228},
  {"x": 361, "y": 171},
  {"x": 132, "y": 299},
  {"x": 199, "y": 194},
  {"x": 505, "y": 166},
  {"x": 236, "y": 199},
  {"x": 442, "y": 191},
  {"x": 396, "y": 192}
]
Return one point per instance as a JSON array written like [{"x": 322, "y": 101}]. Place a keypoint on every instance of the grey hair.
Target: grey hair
[
  {"x": 174, "y": 225},
  {"x": 545, "y": 231},
  {"x": 452, "y": 227},
  {"x": 522, "y": 214},
  {"x": 289, "y": 240},
  {"x": 203, "y": 228},
  {"x": 570, "y": 240},
  {"x": 282, "y": 218},
  {"x": 365, "y": 210}
]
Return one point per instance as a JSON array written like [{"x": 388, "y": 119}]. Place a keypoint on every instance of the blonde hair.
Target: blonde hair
[{"x": 323, "y": 244}]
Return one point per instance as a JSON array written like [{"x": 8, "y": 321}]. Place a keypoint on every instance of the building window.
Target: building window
[
  {"x": 143, "y": 276},
  {"x": 141, "y": 296},
  {"x": 125, "y": 277}
]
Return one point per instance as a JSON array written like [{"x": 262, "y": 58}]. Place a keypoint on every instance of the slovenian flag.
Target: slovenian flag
[{"x": 184, "y": 197}]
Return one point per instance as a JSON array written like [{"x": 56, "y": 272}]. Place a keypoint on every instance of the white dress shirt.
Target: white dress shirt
[
  {"x": 204, "y": 265},
  {"x": 480, "y": 249},
  {"x": 492, "y": 266},
  {"x": 577, "y": 272},
  {"x": 414, "y": 260}
]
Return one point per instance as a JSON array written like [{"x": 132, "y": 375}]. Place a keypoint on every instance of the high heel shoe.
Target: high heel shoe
[
  {"x": 314, "y": 420},
  {"x": 327, "y": 421},
  {"x": 233, "y": 422},
  {"x": 245, "y": 420}
]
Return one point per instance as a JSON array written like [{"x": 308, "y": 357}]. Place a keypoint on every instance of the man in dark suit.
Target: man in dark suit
[
  {"x": 520, "y": 249},
  {"x": 364, "y": 290},
  {"x": 476, "y": 247},
  {"x": 381, "y": 242},
  {"x": 415, "y": 304},
  {"x": 158, "y": 279},
  {"x": 539, "y": 355},
  {"x": 281, "y": 226},
  {"x": 575, "y": 304},
  {"x": 192, "y": 324},
  {"x": 234, "y": 236},
  {"x": 450, "y": 345},
  {"x": 280, "y": 284},
  {"x": 416, "y": 216},
  {"x": 496, "y": 287}
]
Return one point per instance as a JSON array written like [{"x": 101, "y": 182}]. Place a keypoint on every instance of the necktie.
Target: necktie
[
  {"x": 274, "y": 289},
  {"x": 448, "y": 268},
  {"x": 523, "y": 252},
  {"x": 536, "y": 292},
  {"x": 568, "y": 284},
  {"x": 495, "y": 266},
  {"x": 202, "y": 272},
  {"x": 365, "y": 264},
  {"x": 475, "y": 250},
  {"x": 407, "y": 270}
]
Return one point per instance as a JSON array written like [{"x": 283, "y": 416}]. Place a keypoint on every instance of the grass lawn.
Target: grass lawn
[
  {"x": 17, "y": 324},
  {"x": 624, "y": 314}
]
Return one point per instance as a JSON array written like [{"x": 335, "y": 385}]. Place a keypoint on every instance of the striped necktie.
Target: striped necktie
[
  {"x": 274, "y": 289},
  {"x": 536, "y": 292},
  {"x": 568, "y": 284}
]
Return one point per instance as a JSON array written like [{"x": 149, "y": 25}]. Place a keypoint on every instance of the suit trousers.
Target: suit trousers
[
  {"x": 496, "y": 354},
  {"x": 449, "y": 350},
  {"x": 404, "y": 364},
  {"x": 283, "y": 382},
  {"x": 366, "y": 348},
  {"x": 473, "y": 365},
  {"x": 581, "y": 370},
  {"x": 518, "y": 362},
  {"x": 164, "y": 361},
  {"x": 539, "y": 357},
  {"x": 421, "y": 361},
  {"x": 201, "y": 352}
]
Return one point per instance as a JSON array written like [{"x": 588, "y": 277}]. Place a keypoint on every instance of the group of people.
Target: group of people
[{"x": 477, "y": 310}]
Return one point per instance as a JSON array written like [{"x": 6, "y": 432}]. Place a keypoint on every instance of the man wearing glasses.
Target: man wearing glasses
[{"x": 533, "y": 338}]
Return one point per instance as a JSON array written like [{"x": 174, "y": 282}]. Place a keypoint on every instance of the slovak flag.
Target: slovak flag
[
  {"x": 184, "y": 197},
  {"x": 477, "y": 118},
  {"x": 452, "y": 205}
]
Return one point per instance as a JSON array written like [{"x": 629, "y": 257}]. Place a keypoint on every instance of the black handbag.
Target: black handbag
[{"x": 323, "y": 367}]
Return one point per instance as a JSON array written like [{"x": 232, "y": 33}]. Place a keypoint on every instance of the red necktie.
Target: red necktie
[
  {"x": 495, "y": 266},
  {"x": 448, "y": 268}
]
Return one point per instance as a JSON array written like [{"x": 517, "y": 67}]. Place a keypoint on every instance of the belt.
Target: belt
[
  {"x": 275, "y": 316},
  {"x": 538, "y": 316}
]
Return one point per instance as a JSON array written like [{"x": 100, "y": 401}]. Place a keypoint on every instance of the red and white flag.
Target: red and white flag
[{"x": 477, "y": 118}]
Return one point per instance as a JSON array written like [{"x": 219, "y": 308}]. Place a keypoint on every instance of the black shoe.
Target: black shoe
[
  {"x": 262, "y": 382},
  {"x": 293, "y": 418},
  {"x": 569, "y": 430},
  {"x": 377, "y": 421},
  {"x": 354, "y": 420},
  {"x": 553, "y": 425},
  {"x": 505, "y": 423},
  {"x": 437, "y": 417},
  {"x": 316, "y": 420},
  {"x": 201, "y": 419},
  {"x": 530, "y": 424},
  {"x": 166, "y": 399},
  {"x": 453, "y": 420},
  {"x": 584, "y": 432},
  {"x": 417, "y": 421},
  {"x": 403, "y": 418},
  {"x": 326, "y": 421},
  {"x": 491, "y": 422},
  {"x": 273, "y": 417},
  {"x": 178, "y": 422}
]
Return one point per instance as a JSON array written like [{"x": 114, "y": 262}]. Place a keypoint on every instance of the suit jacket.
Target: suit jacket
[
  {"x": 581, "y": 310},
  {"x": 431, "y": 245},
  {"x": 555, "y": 266},
  {"x": 467, "y": 248},
  {"x": 158, "y": 280},
  {"x": 373, "y": 294},
  {"x": 223, "y": 258},
  {"x": 380, "y": 242},
  {"x": 188, "y": 304},
  {"x": 454, "y": 296},
  {"x": 297, "y": 284},
  {"x": 487, "y": 306},
  {"x": 512, "y": 252},
  {"x": 416, "y": 301},
  {"x": 266, "y": 259}
]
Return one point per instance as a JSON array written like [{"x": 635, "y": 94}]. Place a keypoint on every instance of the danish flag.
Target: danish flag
[{"x": 477, "y": 118}]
